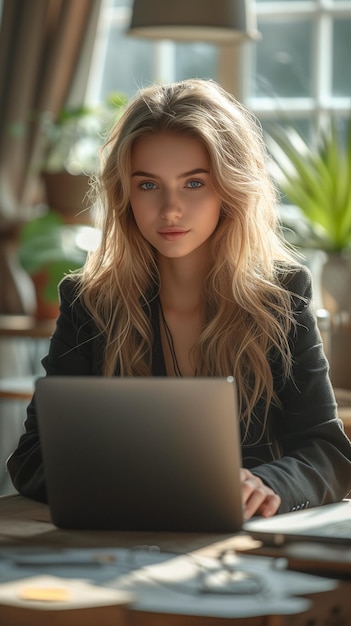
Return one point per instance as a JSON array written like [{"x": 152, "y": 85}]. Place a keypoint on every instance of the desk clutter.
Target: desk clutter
[
  {"x": 173, "y": 579},
  {"x": 38, "y": 584}
]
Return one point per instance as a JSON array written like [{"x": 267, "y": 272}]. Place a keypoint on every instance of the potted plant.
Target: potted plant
[
  {"x": 316, "y": 179},
  {"x": 71, "y": 145},
  {"x": 49, "y": 248}
]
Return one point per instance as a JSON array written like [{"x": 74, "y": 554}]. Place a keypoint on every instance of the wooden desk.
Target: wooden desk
[{"x": 25, "y": 522}]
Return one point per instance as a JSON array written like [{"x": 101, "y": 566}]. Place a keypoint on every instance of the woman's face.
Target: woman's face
[{"x": 172, "y": 198}]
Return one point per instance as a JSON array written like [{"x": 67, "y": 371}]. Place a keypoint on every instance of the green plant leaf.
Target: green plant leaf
[
  {"x": 47, "y": 241},
  {"x": 317, "y": 179}
]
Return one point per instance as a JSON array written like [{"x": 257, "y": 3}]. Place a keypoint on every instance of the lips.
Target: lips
[{"x": 172, "y": 234}]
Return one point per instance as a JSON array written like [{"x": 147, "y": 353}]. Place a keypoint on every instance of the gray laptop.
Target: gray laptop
[
  {"x": 159, "y": 454},
  {"x": 156, "y": 454}
]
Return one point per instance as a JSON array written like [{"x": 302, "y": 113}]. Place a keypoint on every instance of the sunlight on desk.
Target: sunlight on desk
[{"x": 175, "y": 579}]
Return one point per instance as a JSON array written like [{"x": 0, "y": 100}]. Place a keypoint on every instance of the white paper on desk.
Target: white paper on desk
[{"x": 167, "y": 587}]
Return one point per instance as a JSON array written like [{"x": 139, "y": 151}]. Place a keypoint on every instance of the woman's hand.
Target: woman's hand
[{"x": 258, "y": 498}]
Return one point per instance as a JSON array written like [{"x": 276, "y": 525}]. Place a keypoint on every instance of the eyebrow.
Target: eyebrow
[{"x": 198, "y": 170}]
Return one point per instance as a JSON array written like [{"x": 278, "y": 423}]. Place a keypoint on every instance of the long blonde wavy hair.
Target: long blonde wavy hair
[{"x": 246, "y": 311}]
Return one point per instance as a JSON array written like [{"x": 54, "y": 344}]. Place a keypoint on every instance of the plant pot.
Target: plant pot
[
  {"x": 45, "y": 309},
  {"x": 68, "y": 194},
  {"x": 336, "y": 298}
]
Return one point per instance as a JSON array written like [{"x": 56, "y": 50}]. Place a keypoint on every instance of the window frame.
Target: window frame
[{"x": 322, "y": 13}]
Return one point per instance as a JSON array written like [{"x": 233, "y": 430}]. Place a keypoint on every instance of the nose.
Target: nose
[{"x": 170, "y": 207}]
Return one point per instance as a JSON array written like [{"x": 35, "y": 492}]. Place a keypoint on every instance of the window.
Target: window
[
  {"x": 301, "y": 64},
  {"x": 300, "y": 67},
  {"x": 124, "y": 63}
]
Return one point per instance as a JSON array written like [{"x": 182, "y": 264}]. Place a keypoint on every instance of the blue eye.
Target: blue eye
[
  {"x": 195, "y": 184},
  {"x": 148, "y": 186}
]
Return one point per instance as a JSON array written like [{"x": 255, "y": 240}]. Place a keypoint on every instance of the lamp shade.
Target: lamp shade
[{"x": 213, "y": 21}]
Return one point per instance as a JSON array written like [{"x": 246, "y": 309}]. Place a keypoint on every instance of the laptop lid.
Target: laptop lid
[
  {"x": 157, "y": 454},
  {"x": 330, "y": 523}
]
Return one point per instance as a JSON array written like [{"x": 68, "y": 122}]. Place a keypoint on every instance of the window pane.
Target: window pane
[
  {"x": 196, "y": 60},
  {"x": 119, "y": 3},
  {"x": 304, "y": 126},
  {"x": 341, "y": 58},
  {"x": 128, "y": 62},
  {"x": 283, "y": 59},
  {"x": 124, "y": 63}
]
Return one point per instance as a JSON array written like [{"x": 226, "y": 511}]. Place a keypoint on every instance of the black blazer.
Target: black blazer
[{"x": 303, "y": 453}]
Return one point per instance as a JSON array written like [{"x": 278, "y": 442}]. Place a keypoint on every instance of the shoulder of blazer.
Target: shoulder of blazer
[
  {"x": 298, "y": 281},
  {"x": 68, "y": 288}
]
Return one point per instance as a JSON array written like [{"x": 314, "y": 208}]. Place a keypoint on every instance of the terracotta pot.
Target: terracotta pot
[
  {"x": 45, "y": 309},
  {"x": 68, "y": 195}
]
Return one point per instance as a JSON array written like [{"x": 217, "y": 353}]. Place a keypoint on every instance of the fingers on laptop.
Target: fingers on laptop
[{"x": 258, "y": 498}]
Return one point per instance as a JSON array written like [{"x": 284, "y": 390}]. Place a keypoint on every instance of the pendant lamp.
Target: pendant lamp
[{"x": 211, "y": 21}]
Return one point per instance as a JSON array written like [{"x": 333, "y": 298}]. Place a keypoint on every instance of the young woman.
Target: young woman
[{"x": 192, "y": 278}]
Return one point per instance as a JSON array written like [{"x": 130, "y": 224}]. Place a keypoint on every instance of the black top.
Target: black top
[{"x": 303, "y": 454}]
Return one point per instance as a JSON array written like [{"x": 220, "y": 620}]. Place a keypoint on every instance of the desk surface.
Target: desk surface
[
  {"x": 25, "y": 326},
  {"x": 27, "y": 523},
  {"x": 24, "y": 521}
]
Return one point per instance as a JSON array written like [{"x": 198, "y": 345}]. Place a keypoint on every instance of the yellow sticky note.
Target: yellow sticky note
[{"x": 44, "y": 594}]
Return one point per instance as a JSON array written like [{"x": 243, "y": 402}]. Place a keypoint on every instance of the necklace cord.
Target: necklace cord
[{"x": 170, "y": 343}]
